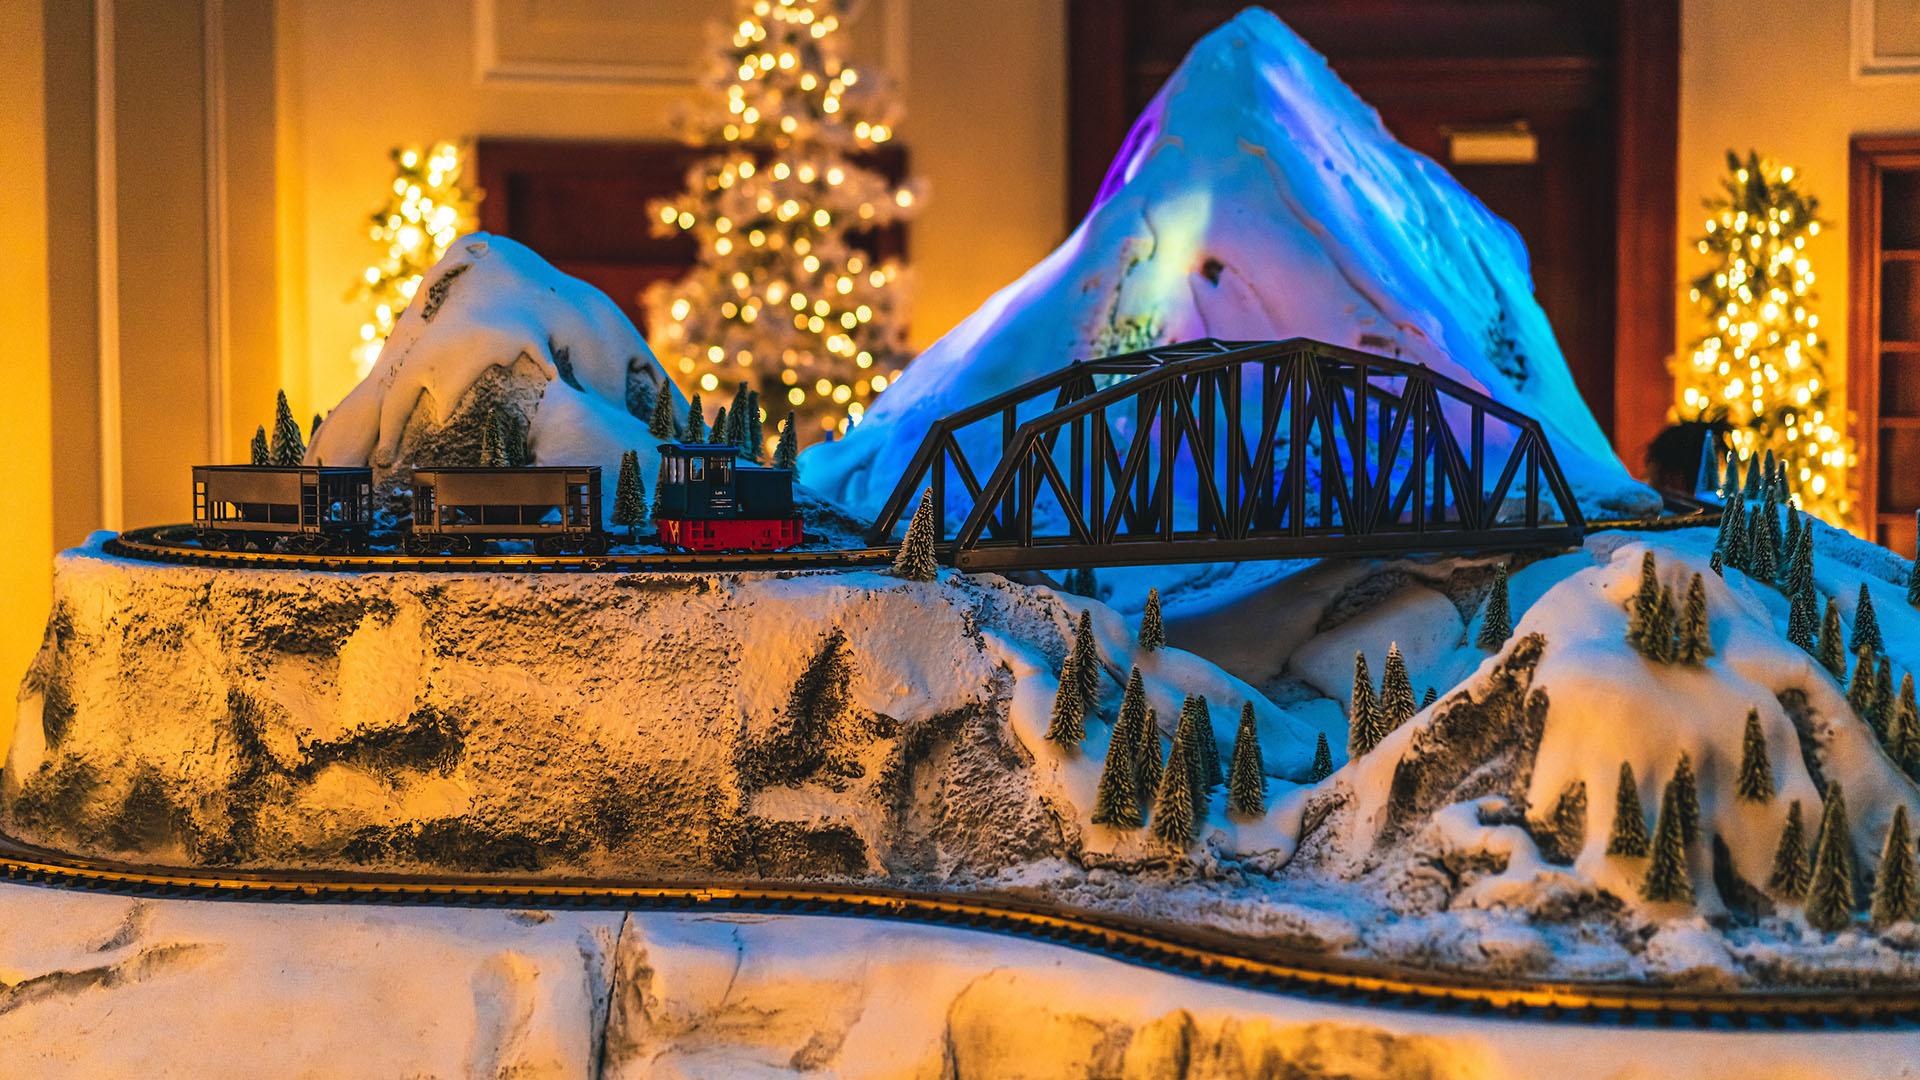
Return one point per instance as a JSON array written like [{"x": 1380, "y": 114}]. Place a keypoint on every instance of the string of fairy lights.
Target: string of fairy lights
[
  {"x": 428, "y": 204},
  {"x": 1760, "y": 366},
  {"x": 785, "y": 298}
]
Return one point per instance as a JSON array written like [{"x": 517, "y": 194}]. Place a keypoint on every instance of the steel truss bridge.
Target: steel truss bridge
[{"x": 1146, "y": 458}]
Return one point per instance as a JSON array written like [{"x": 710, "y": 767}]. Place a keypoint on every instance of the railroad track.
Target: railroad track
[
  {"x": 175, "y": 544},
  {"x": 1193, "y": 951}
]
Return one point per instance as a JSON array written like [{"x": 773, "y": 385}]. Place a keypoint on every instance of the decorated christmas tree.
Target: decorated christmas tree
[
  {"x": 429, "y": 203},
  {"x": 784, "y": 297},
  {"x": 1760, "y": 365}
]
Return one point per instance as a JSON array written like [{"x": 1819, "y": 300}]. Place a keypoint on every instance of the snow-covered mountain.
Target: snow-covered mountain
[
  {"x": 1257, "y": 197},
  {"x": 495, "y": 326}
]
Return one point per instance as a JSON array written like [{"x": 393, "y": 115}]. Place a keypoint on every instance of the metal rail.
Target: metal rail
[
  {"x": 1198, "y": 952},
  {"x": 164, "y": 543}
]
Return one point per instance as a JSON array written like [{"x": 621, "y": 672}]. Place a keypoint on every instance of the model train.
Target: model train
[{"x": 708, "y": 501}]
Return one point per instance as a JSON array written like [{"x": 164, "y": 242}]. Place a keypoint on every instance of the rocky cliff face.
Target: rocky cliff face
[{"x": 770, "y": 725}]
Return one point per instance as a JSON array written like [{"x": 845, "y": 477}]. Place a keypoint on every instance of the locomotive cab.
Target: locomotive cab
[{"x": 709, "y": 500}]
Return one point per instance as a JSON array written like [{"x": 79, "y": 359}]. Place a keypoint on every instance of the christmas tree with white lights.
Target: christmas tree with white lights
[
  {"x": 429, "y": 203},
  {"x": 783, "y": 297},
  {"x": 1760, "y": 365}
]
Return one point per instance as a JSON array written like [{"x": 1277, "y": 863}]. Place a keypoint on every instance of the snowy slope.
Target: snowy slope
[
  {"x": 1257, "y": 197},
  {"x": 506, "y": 329},
  {"x": 99, "y": 986}
]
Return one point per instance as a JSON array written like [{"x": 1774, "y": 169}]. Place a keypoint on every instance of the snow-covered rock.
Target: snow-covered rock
[
  {"x": 1257, "y": 197},
  {"x": 775, "y": 724},
  {"x": 496, "y": 326},
  {"x": 102, "y": 986}
]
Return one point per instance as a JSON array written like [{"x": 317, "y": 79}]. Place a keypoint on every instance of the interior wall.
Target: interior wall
[
  {"x": 1781, "y": 83},
  {"x": 26, "y": 484},
  {"x": 983, "y": 83}
]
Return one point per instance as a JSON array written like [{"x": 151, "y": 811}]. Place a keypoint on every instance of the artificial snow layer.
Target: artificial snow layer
[
  {"x": 101, "y": 986},
  {"x": 772, "y": 724},
  {"x": 1257, "y": 197},
  {"x": 495, "y": 325}
]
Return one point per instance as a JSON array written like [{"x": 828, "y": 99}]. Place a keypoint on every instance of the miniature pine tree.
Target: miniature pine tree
[
  {"x": 286, "y": 448},
  {"x": 1396, "y": 692},
  {"x": 313, "y": 428},
  {"x": 1695, "y": 641},
  {"x": 1152, "y": 635},
  {"x": 1629, "y": 833},
  {"x": 1735, "y": 519},
  {"x": 1210, "y": 772},
  {"x": 1770, "y": 525},
  {"x": 1497, "y": 625},
  {"x": 1751, "y": 493},
  {"x": 1802, "y": 618},
  {"x": 1768, "y": 469},
  {"x": 1187, "y": 733},
  {"x": 1830, "y": 895},
  {"x": 1895, "y": 897},
  {"x": 1173, "y": 808},
  {"x": 1067, "y": 725},
  {"x": 753, "y": 434},
  {"x": 1903, "y": 729},
  {"x": 1800, "y": 565},
  {"x": 1660, "y": 633},
  {"x": 1709, "y": 479},
  {"x": 1668, "y": 880},
  {"x": 1883, "y": 695},
  {"x": 696, "y": 420},
  {"x": 1363, "y": 712},
  {"x": 1792, "y": 869},
  {"x": 629, "y": 499},
  {"x": 1860, "y": 694},
  {"x": 1086, "y": 661},
  {"x": 1790, "y": 547},
  {"x": 1755, "y": 783},
  {"x": 1116, "y": 801},
  {"x": 1721, "y": 540},
  {"x": 915, "y": 561},
  {"x": 1866, "y": 627},
  {"x": 1247, "y": 778},
  {"x": 1641, "y": 610},
  {"x": 660, "y": 422},
  {"x": 1129, "y": 722},
  {"x": 258, "y": 453},
  {"x": 721, "y": 433},
  {"x": 1686, "y": 796},
  {"x": 788, "y": 450},
  {"x": 1147, "y": 757},
  {"x": 1832, "y": 656},
  {"x": 1322, "y": 766},
  {"x": 1730, "y": 480},
  {"x": 1763, "y": 543},
  {"x": 1432, "y": 695},
  {"x": 659, "y": 493}
]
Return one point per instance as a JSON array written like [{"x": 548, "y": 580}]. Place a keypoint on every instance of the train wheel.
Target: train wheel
[
  {"x": 213, "y": 541},
  {"x": 546, "y": 546},
  {"x": 597, "y": 544}
]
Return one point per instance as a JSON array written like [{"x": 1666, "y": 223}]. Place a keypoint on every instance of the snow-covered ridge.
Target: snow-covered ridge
[
  {"x": 1257, "y": 197},
  {"x": 495, "y": 326}
]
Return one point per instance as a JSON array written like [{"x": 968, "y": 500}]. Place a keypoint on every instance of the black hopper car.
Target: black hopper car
[{"x": 267, "y": 507}]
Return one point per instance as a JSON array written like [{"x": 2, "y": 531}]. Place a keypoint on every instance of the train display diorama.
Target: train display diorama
[{"x": 709, "y": 501}]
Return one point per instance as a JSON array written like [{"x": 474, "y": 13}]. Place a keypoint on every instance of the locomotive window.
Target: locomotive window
[
  {"x": 696, "y": 469},
  {"x": 720, "y": 470}
]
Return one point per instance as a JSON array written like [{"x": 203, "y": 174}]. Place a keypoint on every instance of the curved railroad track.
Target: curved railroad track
[
  {"x": 175, "y": 544},
  {"x": 1194, "y": 951}
]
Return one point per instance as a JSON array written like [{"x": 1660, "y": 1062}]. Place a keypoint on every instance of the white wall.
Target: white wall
[{"x": 983, "y": 81}]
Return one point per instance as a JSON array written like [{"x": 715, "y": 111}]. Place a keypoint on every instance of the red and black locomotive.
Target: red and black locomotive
[{"x": 709, "y": 500}]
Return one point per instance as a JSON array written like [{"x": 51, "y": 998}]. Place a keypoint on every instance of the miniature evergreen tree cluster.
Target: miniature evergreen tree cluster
[
  {"x": 1373, "y": 716},
  {"x": 1659, "y": 631},
  {"x": 284, "y": 448},
  {"x": 1179, "y": 791},
  {"x": 1750, "y": 538},
  {"x": 1668, "y": 877}
]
